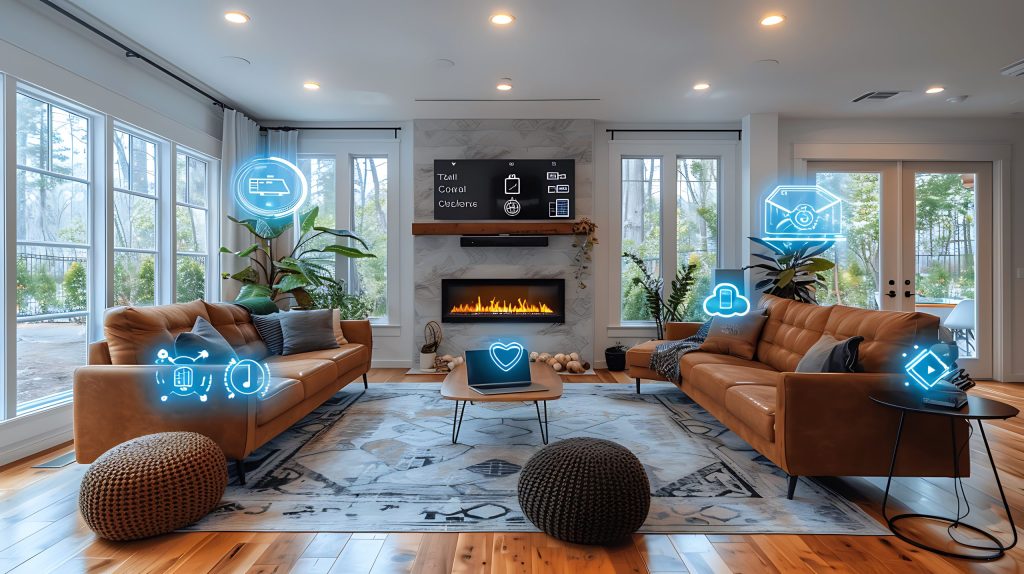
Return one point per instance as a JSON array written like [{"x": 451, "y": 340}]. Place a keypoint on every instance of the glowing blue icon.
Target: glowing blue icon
[
  {"x": 926, "y": 368},
  {"x": 270, "y": 187},
  {"x": 506, "y": 355},
  {"x": 803, "y": 213},
  {"x": 184, "y": 380},
  {"x": 726, "y": 301},
  {"x": 246, "y": 377}
]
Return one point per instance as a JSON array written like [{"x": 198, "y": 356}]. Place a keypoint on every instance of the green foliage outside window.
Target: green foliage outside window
[{"x": 75, "y": 286}]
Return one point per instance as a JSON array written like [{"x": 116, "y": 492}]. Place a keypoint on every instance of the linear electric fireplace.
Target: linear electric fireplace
[{"x": 503, "y": 300}]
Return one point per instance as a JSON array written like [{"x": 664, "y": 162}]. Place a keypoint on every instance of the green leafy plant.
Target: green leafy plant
[
  {"x": 334, "y": 295},
  {"x": 292, "y": 275},
  {"x": 793, "y": 273},
  {"x": 660, "y": 308}
]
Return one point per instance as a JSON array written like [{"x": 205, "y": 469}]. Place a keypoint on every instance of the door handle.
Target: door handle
[
  {"x": 891, "y": 293},
  {"x": 908, "y": 294}
]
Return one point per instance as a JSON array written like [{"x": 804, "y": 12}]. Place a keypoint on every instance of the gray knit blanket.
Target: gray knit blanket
[{"x": 665, "y": 358}]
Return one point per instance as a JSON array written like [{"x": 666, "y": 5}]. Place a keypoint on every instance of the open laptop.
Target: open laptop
[{"x": 487, "y": 378}]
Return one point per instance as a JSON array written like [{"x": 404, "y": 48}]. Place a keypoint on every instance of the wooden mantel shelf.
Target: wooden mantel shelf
[{"x": 492, "y": 228}]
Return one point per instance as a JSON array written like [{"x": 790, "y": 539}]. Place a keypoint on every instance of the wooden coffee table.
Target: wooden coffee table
[{"x": 456, "y": 388}]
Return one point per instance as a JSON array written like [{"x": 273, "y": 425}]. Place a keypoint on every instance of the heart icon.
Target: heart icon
[{"x": 510, "y": 354}]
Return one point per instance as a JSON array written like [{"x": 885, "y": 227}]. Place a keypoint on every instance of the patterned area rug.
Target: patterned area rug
[{"x": 382, "y": 461}]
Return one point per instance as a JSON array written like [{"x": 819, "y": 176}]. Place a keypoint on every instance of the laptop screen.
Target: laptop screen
[{"x": 506, "y": 369}]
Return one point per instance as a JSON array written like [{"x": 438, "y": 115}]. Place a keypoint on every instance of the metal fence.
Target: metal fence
[{"x": 41, "y": 285}]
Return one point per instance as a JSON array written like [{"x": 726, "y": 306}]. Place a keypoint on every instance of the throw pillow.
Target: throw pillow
[
  {"x": 269, "y": 328},
  {"x": 306, "y": 331},
  {"x": 204, "y": 337},
  {"x": 830, "y": 355},
  {"x": 736, "y": 336}
]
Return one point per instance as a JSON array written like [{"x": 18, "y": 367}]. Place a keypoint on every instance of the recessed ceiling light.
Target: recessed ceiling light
[
  {"x": 504, "y": 84},
  {"x": 502, "y": 19},
  {"x": 311, "y": 85},
  {"x": 773, "y": 20},
  {"x": 236, "y": 17},
  {"x": 701, "y": 86},
  {"x": 935, "y": 90}
]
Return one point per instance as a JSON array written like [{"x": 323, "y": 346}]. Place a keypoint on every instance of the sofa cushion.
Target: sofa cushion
[
  {"x": 282, "y": 394},
  {"x": 792, "y": 328},
  {"x": 886, "y": 334},
  {"x": 715, "y": 380},
  {"x": 755, "y": 406},
  {"x": 235, "y": 324},
  {"x": 269, "y": 329},
  {"x": 135, "y": 334},
  {"x": 736, "y": 336},
  {"x": 691, "y": 360},
  {"x": 313, "y": 374},
  {"x": 345, "y": 357},
  {"x": 831, "y": 355},
  {"x": 204, "y": 338},
  {"x": 640, "y": 355},
  {"x": 306, "y": 331}
]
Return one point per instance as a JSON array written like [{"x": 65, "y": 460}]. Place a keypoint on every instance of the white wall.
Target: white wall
[{"x": 938, "y": 131}]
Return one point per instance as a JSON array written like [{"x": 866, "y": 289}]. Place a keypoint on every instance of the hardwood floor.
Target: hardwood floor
[{"x": 41, "y": 530}]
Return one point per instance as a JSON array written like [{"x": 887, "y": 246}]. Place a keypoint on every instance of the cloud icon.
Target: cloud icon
[{"x": 725, "y": 301}]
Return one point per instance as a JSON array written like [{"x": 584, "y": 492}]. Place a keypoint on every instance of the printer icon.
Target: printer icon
[{"x": 803, "y": 213}]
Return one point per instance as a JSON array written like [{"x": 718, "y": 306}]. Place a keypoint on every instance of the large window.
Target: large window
[
  {"x": 95, "y": 221},
  {"x": 192, "y": 216},
  {"x": 135, "y": 219},
  {"x": 349, "y": 183},
  {"x": 670, "y": 197},
  {"x": 54, "y": 189}
]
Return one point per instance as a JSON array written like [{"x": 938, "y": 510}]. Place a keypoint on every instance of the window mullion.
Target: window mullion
[
  {"x": 669, "y": 214},
  {"x": 167, "y": 184},
  {"x": 8, "y": 243}
]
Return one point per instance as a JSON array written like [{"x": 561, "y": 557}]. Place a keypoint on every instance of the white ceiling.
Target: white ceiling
[{"x": 375, "y": 58}]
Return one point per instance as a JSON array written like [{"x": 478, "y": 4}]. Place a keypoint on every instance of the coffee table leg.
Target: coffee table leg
[
  {"x": 544, "y": 430},
  {"x": 457, "y": 421}
]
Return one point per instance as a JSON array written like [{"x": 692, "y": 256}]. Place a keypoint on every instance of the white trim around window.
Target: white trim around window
[{"x": 730, "y": 238}]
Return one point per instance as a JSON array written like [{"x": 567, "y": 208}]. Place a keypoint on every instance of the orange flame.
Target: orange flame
[{"x": 504, "y": 307}]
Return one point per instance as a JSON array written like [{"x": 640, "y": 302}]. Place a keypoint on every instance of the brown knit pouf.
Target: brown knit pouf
[
  {"x": 585, "y": 490},
  {"x": 152, "y": 485}
]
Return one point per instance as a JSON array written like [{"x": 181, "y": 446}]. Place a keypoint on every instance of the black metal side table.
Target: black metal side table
[{"x": 976, "y": 409}]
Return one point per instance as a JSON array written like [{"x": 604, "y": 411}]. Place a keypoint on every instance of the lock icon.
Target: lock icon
[{"x": 512, "y": 185}]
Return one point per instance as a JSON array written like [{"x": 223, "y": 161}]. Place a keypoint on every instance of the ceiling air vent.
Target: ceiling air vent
[
  {"x": 1015, "y": 69},
  {"x": 876, "y": 96}
]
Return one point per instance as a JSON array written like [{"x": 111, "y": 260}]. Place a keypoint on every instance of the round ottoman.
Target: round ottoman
[
  {"x": 586, "y": 491},
  {"x": 152, "y": 485}
]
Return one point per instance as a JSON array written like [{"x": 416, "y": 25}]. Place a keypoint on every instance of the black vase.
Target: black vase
[{"x": 615, "y": 357}]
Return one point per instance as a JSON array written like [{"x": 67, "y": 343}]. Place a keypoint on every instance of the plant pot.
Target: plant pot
[
  {"x": 616, "y": 358},
  {"x": 427, "y": 361}
]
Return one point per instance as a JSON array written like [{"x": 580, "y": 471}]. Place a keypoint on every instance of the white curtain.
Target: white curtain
[{"x": 240, "y": 143}]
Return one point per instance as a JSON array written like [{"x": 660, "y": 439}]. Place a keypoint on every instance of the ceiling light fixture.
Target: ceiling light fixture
[
  {"x": 773, "y": 20},
  {"x": 935, "y": 90},
  {"x": 502, "y": 19},
  {"x": 504, "y": 84},
  {"x": 700, "y": 86},
  {"x": 236, "y": 17},
  {"x": 313, "y": 86}
]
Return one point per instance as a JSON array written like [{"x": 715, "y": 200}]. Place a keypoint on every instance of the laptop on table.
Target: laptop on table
[{"x": 487, "y": 377}]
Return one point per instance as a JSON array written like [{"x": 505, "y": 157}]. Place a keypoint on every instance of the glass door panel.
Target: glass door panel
[{"x": 949, "y": 260}]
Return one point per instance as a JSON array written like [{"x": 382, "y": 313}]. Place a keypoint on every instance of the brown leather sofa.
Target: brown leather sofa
[
  {"x": 116, "y": 397},
  {"x": 817, "y": 424}
]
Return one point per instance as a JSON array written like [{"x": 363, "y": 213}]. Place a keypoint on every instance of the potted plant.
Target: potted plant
[
  {"x": 333, "y": 295},
  {"x": 794, "y": 271},
  {"x": 615, "y": 357},
  {"x": 292, "y": 275},
  {"x": 661, "y": 309}
]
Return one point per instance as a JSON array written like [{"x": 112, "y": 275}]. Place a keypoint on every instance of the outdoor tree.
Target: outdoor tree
[{"x": 75, "y": 287}]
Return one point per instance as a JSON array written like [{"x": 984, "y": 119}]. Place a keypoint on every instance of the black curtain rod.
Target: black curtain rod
[
  {"x": 132, "y": 53},
  {"x": 739, "y": 133},
  {"x": 395, "y": 129}
]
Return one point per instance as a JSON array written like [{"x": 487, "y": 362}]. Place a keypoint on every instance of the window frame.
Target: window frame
[
  {"x": 159, "y": 197},
  {"x": 213, "y": 223},
  {"x": 729, "y": 208},
  {"x": 343, "y": 151}
]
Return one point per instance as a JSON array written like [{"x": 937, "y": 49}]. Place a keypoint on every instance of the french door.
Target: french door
[{"x": 918, "y": 238}]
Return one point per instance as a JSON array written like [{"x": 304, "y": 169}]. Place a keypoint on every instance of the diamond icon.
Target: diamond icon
[{"x": 927, "y": 369}]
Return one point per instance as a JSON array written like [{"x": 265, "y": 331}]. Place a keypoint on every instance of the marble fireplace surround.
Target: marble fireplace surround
[{"x": 438, "y": 257}]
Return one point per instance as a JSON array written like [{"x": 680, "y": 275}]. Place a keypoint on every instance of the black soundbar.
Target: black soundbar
[{"x": 503, "y": 241}]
